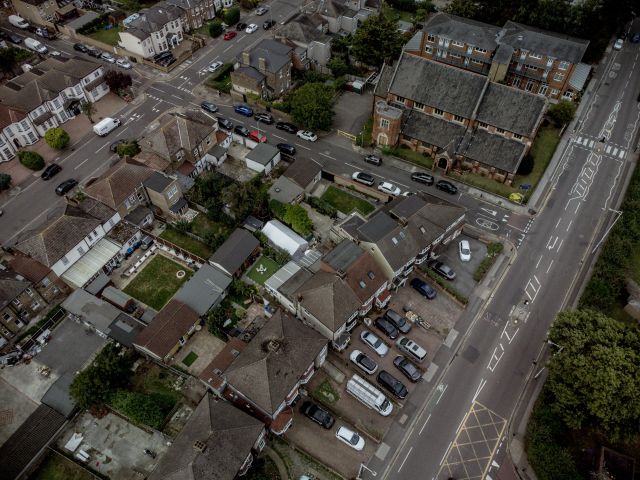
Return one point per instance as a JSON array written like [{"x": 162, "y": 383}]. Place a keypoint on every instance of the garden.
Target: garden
[
  {"x": 263, "y": 269},
  {"x": 186, "y": 242},
  {"x": 58, "y": 467},
  {"x": 345, "y": 202}
]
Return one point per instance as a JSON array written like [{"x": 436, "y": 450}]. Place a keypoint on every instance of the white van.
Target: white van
[
  {"x": 35, "y": 45},
  {"x": 369, "y": 395},
  {"x": 104, "y": 126},
  {"x": 18, "y": 21}
]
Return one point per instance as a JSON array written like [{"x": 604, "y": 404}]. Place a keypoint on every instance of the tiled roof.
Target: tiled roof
[
  {"x": 29, "y": 268},
  {"x": 275, "y": 54},
  {"x": 478, "y": 34},
  {"x": 493, "y": 150},
  {"x": 119, "y": 182},
  {"x": 302, "y": 171},
  {"x": 11, "y": 285}
]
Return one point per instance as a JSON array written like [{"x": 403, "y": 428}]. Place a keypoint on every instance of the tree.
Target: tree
[
  {"x": 11, "y": 56},
  {"x": 298, "y": 218},
  {"x": 130, "y": 149},
  {"x": 595, "y": 378},
  {"x": 117, "y": 80},
  {"x": 463, "y": 8},
  {"x": 215, "y": 28},
  {"x": 562, "y": 112},
  {"x": 31, "y": 160},
  {"x": 5, "y": 181},
  {"x": 232, "y": 16},
  {"x": 57, "y": 138},
  {"x": 526, "y": 166},
  {"x": 338, "y": 66},
  {"x": 88, "y": 108},
  {"x": 377, "y": 40},
  {"x": 312, "y": 106},
  {"x": 249, "y": 4}
]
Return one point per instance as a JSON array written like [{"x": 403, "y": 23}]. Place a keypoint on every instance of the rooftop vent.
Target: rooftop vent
[
  {"x": 422, "y": 229},
  {"x": 394, "y": 240},
  {"x": 371, "y": 275},
  {"x": 362, "y": 284},
  {"x": 273, "y": 345}
]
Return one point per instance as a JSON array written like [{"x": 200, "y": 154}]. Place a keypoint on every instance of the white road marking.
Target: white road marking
[
  {"x": 328, "y": 156},
  {"x": 622, "y": 152},
  {"x": 539, "y": 260},
  {"x": 445, "y": 452},
  {"x": 424, "y": 425},
  {"x": 405, "y": 459},
  {"x": 560, "y": 245},
  {"x": 442, "y": 392},
  {"x": 549, "y": 268},
  {"x": 483, "y": 382},
  {"x": 306, "y": 148},
  {"x": 558, "y": 222},
  {"x": 493, "y": 213},
  {"x": 569, "y": 226},
  {"x": 102, "y": 147}
]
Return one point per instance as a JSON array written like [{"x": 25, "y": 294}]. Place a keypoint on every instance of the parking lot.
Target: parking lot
[{"x": 464, "y": 281}]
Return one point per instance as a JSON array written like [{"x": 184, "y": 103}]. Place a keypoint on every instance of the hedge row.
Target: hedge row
[
  {"x": 493, "y": 250},
  {"x": 453, "y": 291}
]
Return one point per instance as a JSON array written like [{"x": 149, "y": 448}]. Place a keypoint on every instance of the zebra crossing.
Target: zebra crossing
[{"x": 611, "y": 150}]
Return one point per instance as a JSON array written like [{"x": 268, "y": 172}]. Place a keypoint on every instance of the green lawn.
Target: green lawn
[
  {"x": 184, "y": 241},
  {"x": 542, "y": 150},
  {"x": 189, "y": 359},
  {"x": 201, "y": 225},
  {"x": 270, "y": 267},
  {"x": 157, "y": 282},
  {"x": 485, "y": 183},
  {"x": 58, "y": 467},
  {"x": 345, "y": 202},
  {"x": 110, "y": 36},
  {"x": 152, "y": 379},
  {"x": 405, "y": 153}
]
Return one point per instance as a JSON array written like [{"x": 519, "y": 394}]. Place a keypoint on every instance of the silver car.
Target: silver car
[{"x": 374, "y": 342}]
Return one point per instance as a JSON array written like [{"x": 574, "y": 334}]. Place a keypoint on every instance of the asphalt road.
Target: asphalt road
[{"x": 460, "y": 430}]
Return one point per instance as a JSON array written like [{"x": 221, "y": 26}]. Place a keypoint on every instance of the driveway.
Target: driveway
[
  {"x": 464, "y": 281},
  {"x": 352, "y": 111}
]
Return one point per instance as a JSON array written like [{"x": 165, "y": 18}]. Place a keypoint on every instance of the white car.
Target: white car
[
  {"x": 307, "y": 135},
  {"x": 389, "y": 188},
  {"x": 363, "y": 362},
  {"x": 464, "y": 250},
  {"x": 107, "y": 57},
  {"x": 350, "y": 437},
  {"x": 122, "y": 63},
  {"x": 252, "y": 27},
  {"x": 214, "y": 66},
  {"x": 55, "y": 53},
  {"x": 373, "y": 341},
  {"x": 618, "y": 44},
  {"x": 261, "y": 10}
]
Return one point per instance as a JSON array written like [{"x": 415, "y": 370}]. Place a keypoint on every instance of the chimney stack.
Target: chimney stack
[
  {"x": 246, "y": 58},
  {"x": 262, "y": 65}
]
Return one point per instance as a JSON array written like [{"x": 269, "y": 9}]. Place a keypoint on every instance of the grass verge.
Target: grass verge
[
  {"x": 420, "y": 159},
  {"x": 542, "y": 150},
  {"x": 58, "y": 467},
  {"x": 157, "y": 282},
  {"x": 186, "y": 242},
  {"x": 109, "y": 37},
  {"x": 345, "y": 202}
]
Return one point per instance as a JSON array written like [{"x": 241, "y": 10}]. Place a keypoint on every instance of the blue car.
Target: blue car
[{"x": 243, "y": 110}]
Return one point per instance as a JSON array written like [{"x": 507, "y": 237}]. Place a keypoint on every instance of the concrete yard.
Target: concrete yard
[
  {"x": 203, "y": 344},
  {"x": 464, "y": 281}
]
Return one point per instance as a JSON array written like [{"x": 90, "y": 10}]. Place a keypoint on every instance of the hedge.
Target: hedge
[
  {"x": 31, "y": 160},
  {"x": 453, "y": 291},
  {"x": 493, "y": 250}
]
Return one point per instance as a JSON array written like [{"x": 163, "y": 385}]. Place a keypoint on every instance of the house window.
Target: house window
[
  {"x": 81, "y": 250},
  {"x": 29, "y": 292},
  {"x": 516, "y": 82},
  {"x": 563, "y": 65},
  {"x": 558, "y": 77},
  {"x": 437, "y": 111},
  {"x": 35, "y": 305},
  {"x": 428, "y": 49},
  {"x": 65, "y": 260},
  {"x": 458, "y": 118},
  {"x": 16, "y": 302},
  {"x": 517, "y": 136},
  {"x": 454, "y": 55},
  {"x": 132, "y": 199},
  {"x": 431, "y": 38},
  {"x": 482, "y": 125},
  {"x": 530, "y": 67},
  {"x": 536, "y": 56},
  {"x": 554, "y": 92},
  {"x": 6, "y": 317},
  {"x": 477, "y": 62},
  {"x": 418, "y": 105},
  {"x": 455, "y": 43},
  {"x": 400, "y": 99},
  {"x": 480, "y": 50},
  {"x": 384, "y": 123},
  {"x": 172, "y": 191},
  {"x": 500, "y": 131}
]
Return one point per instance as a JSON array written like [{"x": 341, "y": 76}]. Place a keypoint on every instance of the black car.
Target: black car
[
  {"x": 264, "y": 117},
  {"x": 241, "y": 26},
  {"x": 13, "y": 38},
  {"x": 407, "y": 368},
  {"x": 268, "y": 24},
  {"x": 162, "y": 55},
  {"x": 399, "y": 321},
  {"x": 80, "y": 47},
  {"x": 286, "y": 149},
  {"x": 224, "y": 123},
  {"x": 241, "y": 130},
  {"x": 165, "y": 62},
  {"x": 386, "y": 327},
  {"x": 114, "y": 146},
  {"x": 209, "y": 107},
  {"x": 317, "y": 414},
  {"x": 50, "y": 171},
  {"x": 441, "y": 269},
  {"x": 93, "y": 52},
  {"x": 65, "y": 186},
  {"x": 287, "y": 127},
  {"x": 373, "y": 160},
  {"x": 423, "y": 288},
  {"x": 422, "y": 177},
  {"x": 447, "y": 187},
  {"x": 391, "y": 383}
]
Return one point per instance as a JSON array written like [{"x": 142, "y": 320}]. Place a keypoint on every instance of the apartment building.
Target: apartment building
[{"x": 155, "y": 30}]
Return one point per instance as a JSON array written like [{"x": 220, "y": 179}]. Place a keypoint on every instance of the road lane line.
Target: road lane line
[
  {"x": 483, "y": 382},
  {"x": 81, "y": 163},
  {"x": 569, "y": 226},
  {"x": 537, "y": 281},
  {"x": 328, "y": 156},
  {"x": 446, "y": 452},
  {"x": 539, "y": 260},
  {"x": 460, "y": 424},
  {"x": 424, "y": 425},
  {"x": 405, "y": 459},
  {"x": 577, "y": 207},
  {"x": 442, "y": 394},
  {"x": 549, "y": 268},
  {"x": 302, "y": 146},
  {"x": 122, "y": 131},
  {"x": 560, "y": 246},
  {"x": 558, "y": 223},
  {"x": 102, "y": 147}
]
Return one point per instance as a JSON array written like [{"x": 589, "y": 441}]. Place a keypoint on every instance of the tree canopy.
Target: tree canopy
[
  {"x": 298, "y": 218},
  {"x": 215, "y": 28},
  {"x": 595, "y": 378},
  {"x": 312, "y": 106},
  {"x": 562, "y": 112},
  {"x": 57, "y": 138},
  {"x": 117, "y": 80},
  {"x": 5, "y": 181},
  {"x": 129, "y": 149},
  {"x": 377, "y": 40}
]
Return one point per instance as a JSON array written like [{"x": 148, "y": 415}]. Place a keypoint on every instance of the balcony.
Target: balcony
[
  {"x": 407, "y": 272},
  {"x": 420, "y": 259}
]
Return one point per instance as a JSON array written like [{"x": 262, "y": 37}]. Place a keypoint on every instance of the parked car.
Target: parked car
[
  {"x": 256, "y": 136},
  {"x": 268, "y": 24},
  {"x": 398, "y": 321},
  {"x": 94, "y": 52},
  {"x": 392, "y": 384},
  {"x": 65, "y": 186},
  {"x": 374, "y": 342},
  {"x": 287, "y": 127},
  {"x": 113, "y": 148},
  {"x": 214, "y": 66},
  {"x": 55, "y": 53},
  {"x": 363, "y": 177},
  {"x": 389, "y": 188},
  {"x": 386, "y": 327},
  {"x": 411, "y": 348},
  {"x": 618, "y": 44},
  {"x": 240, "y": 26},
  {"x": 261, "y": 10},
  {"x": 80, "y": 47},
  {"x": 122, "y": 63},
  {"x": 423, "y": 288},
  {"x": 350, "y": 437},
  {"x": 162, "y": 56},
  {"x": 635, "y": 38},
  {"x": 50, "y": 171},
  {"x": 13, "y": 38},
  {"x": 230, "y": 35},
  {"x": 107, "y": 57},
  {"x": 447, "y": 187},
  {"x": 307, "y": 135},
  {"x": 407, "y": 368},
  {"x": 442, "y": 269},
  {"x": 373, "y": 160},
  {"x": 464, "y": 250},
  {"x": 241, "y": 130},
  {"x": 264, "y": 117},
  {"x": 286, "y": 149},
  {"x": 317, "y": 414},
  {"x": 242, "y": 109},
  {"x": 224, "y": 123},
  {"x": 209, "y": 107},
  {"x": 363, "y": 362},
  {"x": 165, "y": 62},
  {"x": 422, "y": 177},
  {"x": 252, "y": 27}
]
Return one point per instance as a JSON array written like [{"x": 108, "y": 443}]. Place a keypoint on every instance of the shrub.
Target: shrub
[
  {"x": 298, "y": 218},
  {"x": 562, "y": 112},
  {"x": 278, "y": 209},
  {"x": 493, "y": 250},
  {"x": 31, "y": 160},
  {"x": 128, "y": 149},
  {"x": 215, "y": 28},
  {"x": 57, "y": 138},
  {"x": 139, "y": 407},
  {"x": 5, "y": 181},
  {"x": 323, "y": 207},
  {"x": 232, "y": 16},
  {"x": 338, "y": 66},
  {"x": 276, "y": 254}
]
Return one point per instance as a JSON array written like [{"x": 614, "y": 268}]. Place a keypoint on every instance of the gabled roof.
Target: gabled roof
[
  {"x": 478, "y": 34},
  {"x": 329, "y": 299},
  {"x": 227, "y": 435},
  {"x": 204, "y": 290},
  {"x": 272, "y": 363},
  {"x": 118, "y": 183},
  {"x": 155, "y": 18},
  {"x": 11, "y": 285},
  {"x": 432, "y": 130},
  {"x": 305, "y": 28},
  {"x": 9, "y": 115},
  {"x": 158, "y": 182},
  {"x": 342, "y": 256},
  {"x": 335, "y": 9},
  {"x": 275, "y": 54},
  {"x": 235, "y": 251},
  {"x": 29, "y": 268},
  {"x": 302, "y": 171},
  {"x": 494, "y": 150}
]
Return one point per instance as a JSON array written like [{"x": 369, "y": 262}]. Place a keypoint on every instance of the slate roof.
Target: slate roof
[
  {"x": 158, "y": 182},
  {"x": 274, "y": 360},
  {"x": 124, "y": 329},
  {"x": 302, "y": 171},
  {"x": 449, "y": 88},
  {"x": 343, "y": 255},
  {"x": 11, "y": 285},
  {"x": 335, "y": 9},
  {"x": 494, "y": 150},
  {"x": 235, "y": 250},
  {"x": 465, "y": 30},
  {"x": 263, "y": 153},
  {"x": 276, "y": 54},
  {"x": 29, "y": 268},
  {"x": 228, "y": 434},
  {"x": 66, "y": 227},
  {"x": 285, "y": 190},
  {"x": 250, "y": 72},
  {"x": 96, "y": 209},
  {"x": 155, "y": 18},
  {"x": 376, "y": 227},
  {"x": 557, "y": 45},
  {"x": 384, "y": 80},
  {"x": 153, "y": 160},
  {"x": 432, "y": 130},
  {"x": 512, "y": 109},
  {"x": 303, "y": 28},
  {"x": 204, "y": 290},
  {"x": 170, "y": 324},
  {"x": 118, "y": 183}
]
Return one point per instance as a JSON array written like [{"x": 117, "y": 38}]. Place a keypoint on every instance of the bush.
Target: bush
[
  {"x": 31, "y": 160},
  {"x": 323, "y": 207},
  {"x": 215, "y": 28},
  {"x": 493, "y": 250},
  {"x": 139, "y": 407},
  {"x": 5, "y": 181},
  {"x": 128, "y": 149},
  {"x": 278, "y": 209},
  {"x": 562, "y": 112},
  {"x": 526, "y": 166},
  {"x": 57, "y": 138},
  {"x": 232, "y": 16},
  {"x": 298, "y": 218},
  {"x": 338, "y": 66},
  {"x": 276, "y": 254},
  {"x": 404, "y": 5}
]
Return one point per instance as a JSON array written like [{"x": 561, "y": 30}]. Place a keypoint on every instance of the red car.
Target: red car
[
  {"x": 229, "y": 35},
  {"x": 257, "y": 136}
]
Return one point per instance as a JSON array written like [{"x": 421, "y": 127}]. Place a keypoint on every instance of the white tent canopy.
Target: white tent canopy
[{"x": 283, "y": 237}]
